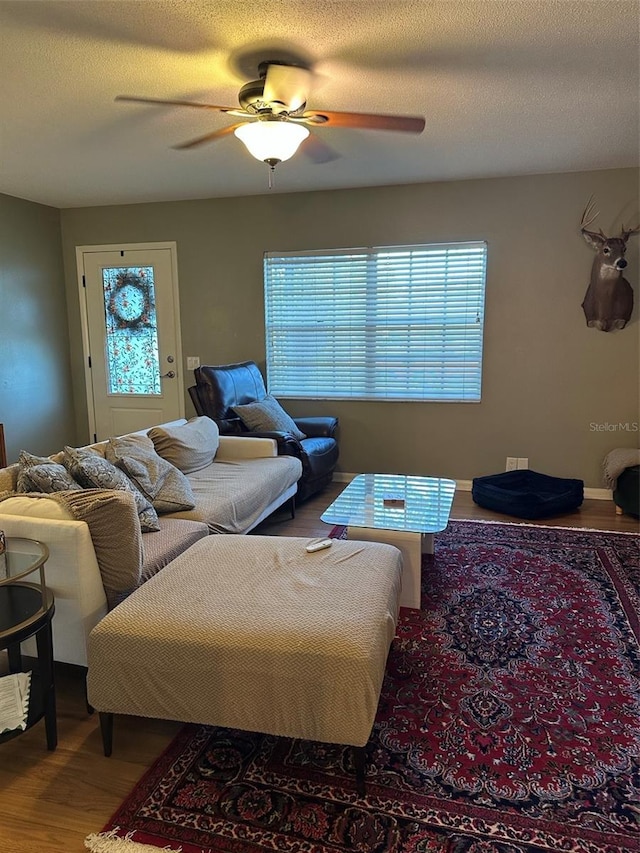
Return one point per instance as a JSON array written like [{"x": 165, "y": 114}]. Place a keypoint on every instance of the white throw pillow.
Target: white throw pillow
[{"x": 190, "y": 447}]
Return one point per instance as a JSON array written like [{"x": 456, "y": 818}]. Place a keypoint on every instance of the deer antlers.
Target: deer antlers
[
  {"x": 627, "y": 232},
  {"x": 589, "y": 215}
]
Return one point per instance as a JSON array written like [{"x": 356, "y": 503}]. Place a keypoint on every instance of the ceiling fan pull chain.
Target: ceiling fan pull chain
[{"x": 272, "y": 176}]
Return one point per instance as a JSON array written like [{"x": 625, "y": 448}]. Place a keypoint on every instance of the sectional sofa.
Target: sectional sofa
[{"x": 94, "y": 528}]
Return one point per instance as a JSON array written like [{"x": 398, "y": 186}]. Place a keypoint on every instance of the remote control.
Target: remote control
[{"x": 319, "y": 546}]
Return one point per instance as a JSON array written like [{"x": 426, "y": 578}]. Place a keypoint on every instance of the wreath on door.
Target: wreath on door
[{"x": 131, "y": 303}]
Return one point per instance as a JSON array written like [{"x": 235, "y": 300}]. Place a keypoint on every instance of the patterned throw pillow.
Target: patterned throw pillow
[
  {"x": 266, "y": 416},
  {"x": 167, "y": 488},
  {"x": 94, "y": 472},
  {"x": 40, "y": 474}
]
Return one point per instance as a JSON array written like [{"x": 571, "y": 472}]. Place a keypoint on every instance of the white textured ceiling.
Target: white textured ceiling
[{"x": 507, "y": 87}]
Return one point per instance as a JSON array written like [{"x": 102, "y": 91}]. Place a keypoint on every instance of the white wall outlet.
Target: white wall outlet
[
  {"x": 193, "y": 361},
  {"x": 512, "y": 463},
  {"x": 523, "y": 461}
]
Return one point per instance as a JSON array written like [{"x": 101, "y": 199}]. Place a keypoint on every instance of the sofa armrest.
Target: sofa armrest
[
  {"x": 320, "y": 427},
  {"x": 72, "y": 574},
  {"x": 9, "y": 478},
  {"x": 288, "y": 445},
  {"x": 245, "y": 447}
]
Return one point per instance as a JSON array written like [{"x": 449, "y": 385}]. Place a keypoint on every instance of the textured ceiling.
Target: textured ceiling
[{"x": 515, "y": 87}]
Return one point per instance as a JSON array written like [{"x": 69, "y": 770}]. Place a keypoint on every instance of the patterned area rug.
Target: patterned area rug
[{"x": 509, "y": 722}]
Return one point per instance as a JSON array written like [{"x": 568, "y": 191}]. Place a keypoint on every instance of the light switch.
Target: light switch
[{"x": 193, "y": 361}]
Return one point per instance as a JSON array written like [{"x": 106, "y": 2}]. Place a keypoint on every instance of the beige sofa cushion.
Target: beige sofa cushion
[
  {"x": 159, "y": 549},
  {"x": 190, "y": 447},
  {"x": 176, "y": 535},
  {"x": 232, "y": 495}
]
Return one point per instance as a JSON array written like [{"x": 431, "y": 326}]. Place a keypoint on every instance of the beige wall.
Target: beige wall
[
  {"x": 547, "y": 377},
  {"x": 36, "y": 405}
]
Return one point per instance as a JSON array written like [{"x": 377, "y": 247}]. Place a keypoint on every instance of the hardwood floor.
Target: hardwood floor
[{"x": 51, "y": 801}]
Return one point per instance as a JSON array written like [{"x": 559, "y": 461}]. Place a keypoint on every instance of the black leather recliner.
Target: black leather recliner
[{"x": 219, "y": 387}]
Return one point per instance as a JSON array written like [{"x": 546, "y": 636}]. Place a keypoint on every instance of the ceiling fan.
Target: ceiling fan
[{"x": 275, "y": 118}]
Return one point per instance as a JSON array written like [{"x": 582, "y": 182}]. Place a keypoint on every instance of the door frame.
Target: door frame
[{"x": 172, "y": 246}]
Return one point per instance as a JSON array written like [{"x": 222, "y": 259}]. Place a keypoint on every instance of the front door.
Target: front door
[{"x": 131, "y": 329}]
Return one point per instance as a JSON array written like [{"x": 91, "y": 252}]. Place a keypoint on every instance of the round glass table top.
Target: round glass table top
[
  {"x": 22, "y": 557},
  {"x": 23, "y": 602}
]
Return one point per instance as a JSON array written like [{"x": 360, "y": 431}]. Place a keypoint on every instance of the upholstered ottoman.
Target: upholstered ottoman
[{"x": 254, "y": 633}]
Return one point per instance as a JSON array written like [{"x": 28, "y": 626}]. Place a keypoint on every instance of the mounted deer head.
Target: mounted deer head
[{"x": 608, "y": 302}]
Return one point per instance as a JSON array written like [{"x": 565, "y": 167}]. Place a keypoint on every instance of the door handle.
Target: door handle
[{"x": 170, "y": 375}]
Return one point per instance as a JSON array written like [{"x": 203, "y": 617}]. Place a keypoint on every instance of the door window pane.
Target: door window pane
[{"x": 133, "y": 364}]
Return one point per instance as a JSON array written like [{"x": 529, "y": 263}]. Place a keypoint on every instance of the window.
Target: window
[
  {"x": 132, "y": 361},
  {"x": 387, "y": 323}
]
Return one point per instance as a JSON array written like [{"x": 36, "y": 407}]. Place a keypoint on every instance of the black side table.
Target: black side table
[{"x": 26, "y": 610}]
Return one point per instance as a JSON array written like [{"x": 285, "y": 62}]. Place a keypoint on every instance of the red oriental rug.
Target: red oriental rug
[{"x": 509, "y": 722}]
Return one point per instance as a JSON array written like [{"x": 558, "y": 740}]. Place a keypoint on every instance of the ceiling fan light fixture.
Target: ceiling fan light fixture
[{"x": 271, "y": 140}]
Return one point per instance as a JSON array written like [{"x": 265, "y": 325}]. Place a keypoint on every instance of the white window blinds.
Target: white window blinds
[{"x": 386, "y": 323}]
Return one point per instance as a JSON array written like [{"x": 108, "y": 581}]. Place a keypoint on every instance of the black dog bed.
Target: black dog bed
[{"x": 527, "y": 494}]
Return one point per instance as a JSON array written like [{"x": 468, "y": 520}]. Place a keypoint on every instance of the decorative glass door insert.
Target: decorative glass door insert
[{"x": 131, "y": 331}]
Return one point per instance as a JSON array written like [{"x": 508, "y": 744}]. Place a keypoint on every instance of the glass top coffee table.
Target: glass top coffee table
[
  {"x": 26, "y": 610},
  {"x": 400, "y": 510}
]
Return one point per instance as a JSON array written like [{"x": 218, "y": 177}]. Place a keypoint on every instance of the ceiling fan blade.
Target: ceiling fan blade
[
  {"x": 287, "y": 85},
  {"x": 372, "y": 121},
  {"x": 161, "y": 102},
  {"x": 208, "y": 137}
]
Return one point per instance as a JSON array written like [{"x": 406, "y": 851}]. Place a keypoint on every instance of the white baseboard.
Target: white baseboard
[
  {"x": 599, "y": 494},
  {"x": 465, "y": 486}
]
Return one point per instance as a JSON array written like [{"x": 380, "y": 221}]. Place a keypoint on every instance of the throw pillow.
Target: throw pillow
[
  {"x": 190, "y": 447},
  {"x": 266, "y": 416},
  {"x": 112, "y": 519},
  {"x": 94, "y": 472},
  {"x": 40, "y": 474},
  {"x": 167, "y": 488}
]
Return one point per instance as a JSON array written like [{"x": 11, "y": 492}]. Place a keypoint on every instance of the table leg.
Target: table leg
[
  {"x": 410, "y": 544},
  {"x": 15, "y": 657},
  {"x": 106, "y": 729},
  {"x": 360, "y": 762},
  {"x": 44, "y": 644},
  {"x": 427, "y": 543}
]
